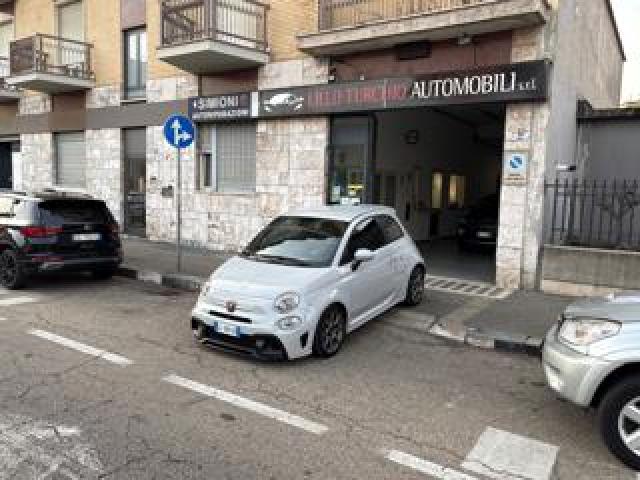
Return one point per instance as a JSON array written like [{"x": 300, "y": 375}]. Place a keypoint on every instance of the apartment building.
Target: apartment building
[{"x": 430, "y": 106}]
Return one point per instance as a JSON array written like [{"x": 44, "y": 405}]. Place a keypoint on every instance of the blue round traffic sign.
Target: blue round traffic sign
[{"x": 179, "y": 131}]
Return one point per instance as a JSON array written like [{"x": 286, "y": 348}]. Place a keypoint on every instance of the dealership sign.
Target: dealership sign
[
  {"x": 527, "y": 81},
  {"x": 222, "y": 107}
]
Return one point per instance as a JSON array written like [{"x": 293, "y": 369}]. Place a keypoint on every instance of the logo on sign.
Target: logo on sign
[
  {"x": 516, "y": 162},
  {"x": 179, "y": 131}
]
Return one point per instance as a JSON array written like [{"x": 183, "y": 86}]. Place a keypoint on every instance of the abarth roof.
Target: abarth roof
[{"x": 345, "y": 213}]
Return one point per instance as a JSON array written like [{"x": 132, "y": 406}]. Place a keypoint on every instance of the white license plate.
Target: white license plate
[
  {"x": 86, "y": 237},
  {"x": 227, "y": 329},
  {"x": 484, "y": 235}
]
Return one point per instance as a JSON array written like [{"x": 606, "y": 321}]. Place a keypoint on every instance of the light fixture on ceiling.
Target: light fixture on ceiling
[{"x": 465, "y": 39}]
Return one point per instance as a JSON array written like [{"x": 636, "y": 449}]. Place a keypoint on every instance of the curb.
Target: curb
[
  {"x": 505, "y": 342},
  {"x": 171, "y": 280}
]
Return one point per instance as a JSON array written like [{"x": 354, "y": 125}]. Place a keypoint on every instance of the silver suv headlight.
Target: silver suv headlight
[
  {"x": 286, "y": 303},
  {"x": 582, "y": 331}
]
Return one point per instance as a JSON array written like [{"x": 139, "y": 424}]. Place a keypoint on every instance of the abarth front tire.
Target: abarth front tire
[{"x": 330, "y": 332}]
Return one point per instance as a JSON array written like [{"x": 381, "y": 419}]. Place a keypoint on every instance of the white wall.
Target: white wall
[{"x": 445, "y": 145}]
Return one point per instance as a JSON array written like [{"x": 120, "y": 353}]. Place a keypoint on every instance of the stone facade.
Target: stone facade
[
  {"x": 308, "y": 71},
  {"x": 104, "y": 175},
  {"x": 34, "y": 104},
  {"x": 290, "y": 171},
  {"x": 521, "y": 206},
  {"x": 36, "y": 160},
  {"x": 172, "y": 88},
  {"x": 101, "y": 97}
]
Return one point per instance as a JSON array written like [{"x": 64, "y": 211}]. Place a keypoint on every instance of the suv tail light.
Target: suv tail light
[
  {"x": 39, "y": 232},
  {"x": 114, "y": 229}
]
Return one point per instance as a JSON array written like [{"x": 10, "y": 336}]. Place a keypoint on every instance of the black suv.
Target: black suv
[{"x": 55, "y": 231}]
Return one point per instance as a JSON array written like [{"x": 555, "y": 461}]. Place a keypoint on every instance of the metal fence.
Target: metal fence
[
  {"x": 595, "y": 213},
  {"x": 348, "y": 13},
  {"x": 239, "y": 22},
  {"x": 53, "y": 55}
]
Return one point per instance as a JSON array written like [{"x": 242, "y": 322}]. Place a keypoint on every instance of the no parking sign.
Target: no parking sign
[{"x": 515, "y": 168}]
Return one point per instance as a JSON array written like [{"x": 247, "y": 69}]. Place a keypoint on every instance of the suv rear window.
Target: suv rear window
[{"x": 59, "y": 212}]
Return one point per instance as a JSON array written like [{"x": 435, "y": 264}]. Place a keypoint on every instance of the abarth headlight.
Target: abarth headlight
[
  {"x": 289, "y": 323},
  {"x": 583, "y": 331},
  {"x": 286, "y": 303},
  {"x": 205, "y": 289}
]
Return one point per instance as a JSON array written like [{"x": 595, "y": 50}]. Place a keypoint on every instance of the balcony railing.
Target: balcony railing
[
  {"x": 51, "y": 55},
  {"x": 237, "y": 22},
  {"x": 350, "y": 13}
]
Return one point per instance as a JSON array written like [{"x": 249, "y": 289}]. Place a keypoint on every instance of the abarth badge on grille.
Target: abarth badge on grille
[{"x": 230, "y": 306}]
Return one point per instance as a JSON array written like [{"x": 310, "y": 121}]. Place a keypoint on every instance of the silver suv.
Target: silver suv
[{"x": 591, "y": 357}]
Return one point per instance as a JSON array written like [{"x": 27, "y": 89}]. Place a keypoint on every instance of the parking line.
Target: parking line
[
  {"x": 247, "y": 404},
  {"x": 424, "y": 466},
  {"x": 16, "y": 301},
  {"x": 81, "y": 347}
]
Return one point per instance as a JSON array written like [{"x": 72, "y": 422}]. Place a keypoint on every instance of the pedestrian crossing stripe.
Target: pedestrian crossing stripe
[{"x": 465, "y": 287}]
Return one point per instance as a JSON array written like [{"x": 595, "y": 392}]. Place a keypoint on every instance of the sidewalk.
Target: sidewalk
[
  {"x": 516, "y": 323},
  {"x": 157, "y": 262}
]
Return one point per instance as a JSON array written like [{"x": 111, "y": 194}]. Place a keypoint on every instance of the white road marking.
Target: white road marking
[
  {"x": 424, "y": 466},
  {"x": 8, "y": 302},
  {"x": 3, "y": 319},
  {"x": 41, "y": 450},
  {"x": 247, "y": 404},
  {"x": 81, "y": 347},
  {"x": 504, "y": 455}
]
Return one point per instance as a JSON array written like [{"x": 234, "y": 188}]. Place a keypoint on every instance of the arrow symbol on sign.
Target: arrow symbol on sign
[{"x": 178, "y": 136}]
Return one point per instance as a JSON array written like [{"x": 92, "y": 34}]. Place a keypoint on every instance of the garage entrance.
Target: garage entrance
[{"x": 440, "y": 168}]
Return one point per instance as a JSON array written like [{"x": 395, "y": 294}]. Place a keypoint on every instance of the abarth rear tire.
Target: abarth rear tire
[
  {"x": 619, "y": 419},
  {"x": 330, "y": 332},
  {"x": 12, "y": 274},
  {"x": 415, "y": 287}
]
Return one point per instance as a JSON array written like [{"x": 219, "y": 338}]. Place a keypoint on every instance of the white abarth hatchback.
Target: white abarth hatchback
[{"x": 306, "y": 280}]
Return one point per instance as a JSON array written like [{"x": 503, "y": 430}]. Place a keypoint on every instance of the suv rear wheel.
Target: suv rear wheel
[
  {"x": 12, "y": 275},
  {"x": 104, "y": 273},
  {"x": 619, "y": 418}
]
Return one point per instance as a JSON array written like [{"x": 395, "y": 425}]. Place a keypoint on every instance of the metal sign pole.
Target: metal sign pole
[
  {"x": 179, "y": 132},
  {"x": 179, "y": 212}
]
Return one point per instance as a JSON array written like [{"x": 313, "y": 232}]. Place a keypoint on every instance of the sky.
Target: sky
[{"x": 627, "y": 14}]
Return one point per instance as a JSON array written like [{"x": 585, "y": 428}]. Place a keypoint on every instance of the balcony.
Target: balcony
[
  {"x": 8, "y": 93},
  {"x": 212, "y": 36},
  {"x": 347, "y": 26},
  {"x": 49, "y": 64}
]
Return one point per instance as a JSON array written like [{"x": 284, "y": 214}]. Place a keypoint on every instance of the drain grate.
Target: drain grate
[{"x": 465, "y": 287}]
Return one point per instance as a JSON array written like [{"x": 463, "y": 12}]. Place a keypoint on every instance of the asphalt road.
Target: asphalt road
[{"x": 104, "y": 380}]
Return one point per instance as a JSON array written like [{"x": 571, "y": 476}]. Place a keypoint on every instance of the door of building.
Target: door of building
[
  {"x": 351, "y": 160},
  {"x": 6, "y": 170},
  {"x": 135, "y": 174}
]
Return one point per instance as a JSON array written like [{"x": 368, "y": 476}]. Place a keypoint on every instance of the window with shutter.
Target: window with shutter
[{"x": 70, "y": 160}]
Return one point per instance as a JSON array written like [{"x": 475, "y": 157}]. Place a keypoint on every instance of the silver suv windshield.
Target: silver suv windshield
[{"x": 298, "y": 241}]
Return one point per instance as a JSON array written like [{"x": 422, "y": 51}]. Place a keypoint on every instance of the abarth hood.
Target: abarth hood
[
  {"x": 622, "y": 307},
  {"x": 264, "y": 280}
]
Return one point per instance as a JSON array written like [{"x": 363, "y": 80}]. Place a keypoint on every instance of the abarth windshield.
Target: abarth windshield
[{"x": 298, "y": 241}]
